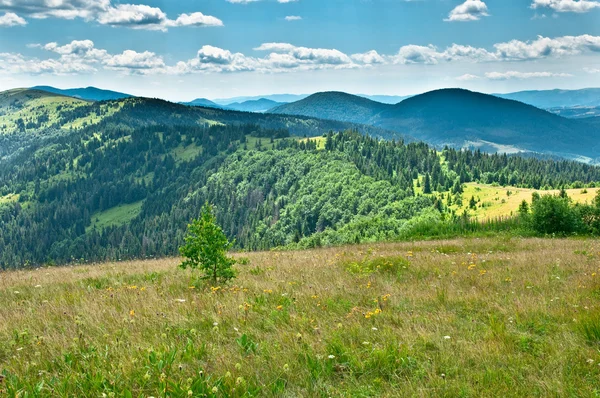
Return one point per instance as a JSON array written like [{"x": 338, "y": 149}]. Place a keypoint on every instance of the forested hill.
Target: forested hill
[
  {"x": 127, "y": 185},
  {"x": 460, "y": 118}
]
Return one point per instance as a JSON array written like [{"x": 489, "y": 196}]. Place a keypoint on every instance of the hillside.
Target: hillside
[
  {"x": 460, "y": 118},
  {"x": 577, "y": 112},
  {"x": 32, "y": 110},
  {"x": 468, "y": 317},
  {"x": 88, "y": 93},
  {"x": 334, "y": 106},
  {"x": 127, "y": 186},
  {"x": 260, "y": 105},
  {"x": 203, "y": 102},
  {"x": 556, "y": 98}
]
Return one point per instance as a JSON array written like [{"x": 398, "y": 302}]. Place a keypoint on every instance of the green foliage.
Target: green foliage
[
  {"x": 554, "y": 215},
  {"x": 206, "y": 248}
]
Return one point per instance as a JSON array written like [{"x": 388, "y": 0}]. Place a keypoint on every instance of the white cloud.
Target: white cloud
[
  {"x": 369, "y": 58},
  {"x": 293, "y": 18},
  {"x": 579, "y": 6},
  {"x": 592, "y": 70},
  {"x": 286, "y": 1},
  {"x": 82, "y": 55},
  {"x": 135, "y": 62},
  {"x": 470, "y": 10},
  {"x": 11, "y": 19},
  {"x": 523, "y": 75},
  {"x": 136, "y": 16},
  {"x": 467, "y": 77}
]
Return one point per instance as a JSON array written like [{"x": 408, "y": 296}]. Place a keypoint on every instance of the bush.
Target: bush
[
  {"x": 206, "y": 248},
  {"x": 554, "y": 215}
]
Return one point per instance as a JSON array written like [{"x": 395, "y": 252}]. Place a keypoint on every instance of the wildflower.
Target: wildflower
[
  {"x": 366, "y": 343},
  {"x": 180, "y": 300},
  {"x": 268, "y": 291},
  {"x": 215, "y": 324},
  {"x": 238, "y": 366},
  {"x": 279, "y": 307},
  {"x": 192, "y": 287},
  {"x": 590, "y": 361},
  {"x": 132, "y": 313},
  {"x": 190, "y": 393},
  {"x": 286, "y": 367},
  {"x": 482, "y": 272},
  {"x": 447, "y": 337},
  {"x": 239, "y": 381},
  {"x": 331, "y": 357},
  {"x": 215, "y": 390},
  {"x": 374, "y": 329}
]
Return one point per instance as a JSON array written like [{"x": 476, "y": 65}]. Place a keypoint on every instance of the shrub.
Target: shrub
[
  {"x": 206, "y": 248},
  {"x": 553, "y": 215}
]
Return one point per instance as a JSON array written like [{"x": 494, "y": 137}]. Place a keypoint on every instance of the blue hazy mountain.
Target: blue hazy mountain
[
  {"x": 458, "y": 118},
  {"x": 259, "y": 105},
  {"x": 88, "y": 93},
  {"x": 557, "y": 98},
  {"x": 203, "y": 102}
]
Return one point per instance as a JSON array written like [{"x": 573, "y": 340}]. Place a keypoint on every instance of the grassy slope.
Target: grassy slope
[
  {"x": 118, "y": 215},
  {"x": 30, "y": 105},
  {"x": 464, "y": 318},
  {"x": 498, "y": 203}
]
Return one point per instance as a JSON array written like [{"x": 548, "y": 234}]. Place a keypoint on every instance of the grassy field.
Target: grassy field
[
  {"x": 118, "y": 215},
  {"x": 505, "y": 201},
  {"x": 460, "y": 318}
]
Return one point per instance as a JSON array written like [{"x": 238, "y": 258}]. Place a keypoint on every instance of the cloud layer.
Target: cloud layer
[
  {"x": 104, "y": 12},
  {"x": 82, "y": 56}
]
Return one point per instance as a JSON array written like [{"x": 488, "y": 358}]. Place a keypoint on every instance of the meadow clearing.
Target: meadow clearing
[{"x": 457, "y": 318}]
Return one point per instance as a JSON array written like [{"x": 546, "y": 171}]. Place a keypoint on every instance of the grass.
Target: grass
[
  {"x": 186, "y": 153},
  {"x": 115, "y": 216},
  {"x": 496, "y": 202},
  {"x": 319, "y": 140},
  {"x": 458, "y": 318}
]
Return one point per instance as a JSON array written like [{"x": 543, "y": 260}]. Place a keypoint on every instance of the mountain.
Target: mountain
[
  {"x": 385, "y": 99},
  {"x": 577, "y": 112},
  {"x": 556, "y": 98},
  {"x": 260, "y": 105},
  {"x": 460, "y": 118},
  {"x": 203, "y": 102},
  {"x": 334, "y": 105},
  {"x": 88, "y": 93},
  {"x": 283, "y": 98},
  {"x": 32, "y": 110}
]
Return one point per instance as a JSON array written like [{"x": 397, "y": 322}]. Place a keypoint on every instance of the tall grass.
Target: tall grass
[{"x": 469, "y": 317}]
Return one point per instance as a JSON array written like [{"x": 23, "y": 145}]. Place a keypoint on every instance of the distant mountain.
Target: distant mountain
[
  {"x": 577, "y": 112},
  {"x": 334, "y": 105},
  {"x": 283, "y": 98},
  {"x": 556, "y": 98},
  {"x": 260, "y": 105},
  {"x": 88, "y": 93},
  {"x": 203, "y": 102},
  {"x": 460, "y": 118},
  {"x": 287, "y": 98},
  {"x": 385, "y": 99}
]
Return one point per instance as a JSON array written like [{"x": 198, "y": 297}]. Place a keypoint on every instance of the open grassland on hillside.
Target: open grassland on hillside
[
  {"x": 473, "y": 318},
  {"x": 498, "y": 201}
]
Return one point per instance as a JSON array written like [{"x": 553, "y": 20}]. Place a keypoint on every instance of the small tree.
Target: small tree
[{"x": 206, "y": 248}]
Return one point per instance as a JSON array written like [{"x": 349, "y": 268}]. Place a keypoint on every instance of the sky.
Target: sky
[{"x": 185, "y": 49}]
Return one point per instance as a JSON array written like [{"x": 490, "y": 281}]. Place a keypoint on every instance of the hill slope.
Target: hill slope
[
  {"x": 459, "y": 117},
  {"x": 203, "y": 102},
  {"x": 556, "y": 98},
  {"x": 259, "y": 105},
  {"x": 88, "y": 93},
  {"x": 334, "y": 105}
]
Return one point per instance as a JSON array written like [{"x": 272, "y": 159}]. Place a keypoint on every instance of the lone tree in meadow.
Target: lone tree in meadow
[{"x": 206, "y": 248}]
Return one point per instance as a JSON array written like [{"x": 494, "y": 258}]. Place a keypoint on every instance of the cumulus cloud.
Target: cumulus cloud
[
  {"x": 11, "y": 19},
  {"x": 83, "y": 56},
  {"x": 136, "y": 16},
  {"x": 470, "y": 10},
  {"x": 293, "y": 18},
  {"x": 467, "y": 77},
  {"x": 523, "y": 75},
  {"x": 369, "y": 58},
  {"x": 579, "y": 6}
]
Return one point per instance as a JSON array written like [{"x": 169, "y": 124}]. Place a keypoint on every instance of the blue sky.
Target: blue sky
[{"x": 185, "y": 49}]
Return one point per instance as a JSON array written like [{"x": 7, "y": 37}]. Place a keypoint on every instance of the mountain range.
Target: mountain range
[
  {"x": 88, "y": 93},
  {"x": 454, "y": 117},
  {"x": 460, "y": 118}
]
